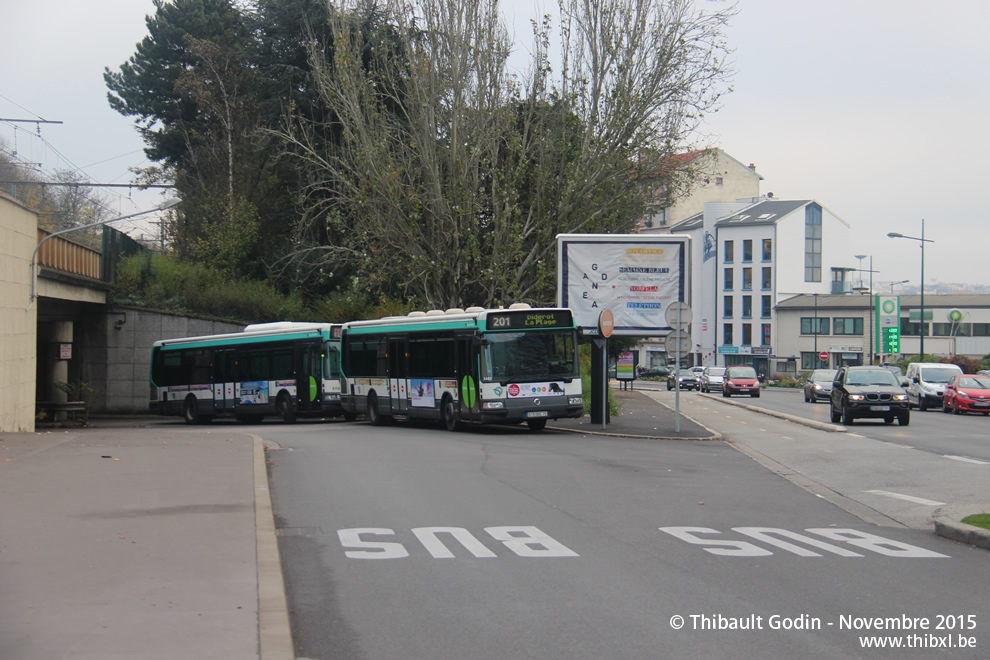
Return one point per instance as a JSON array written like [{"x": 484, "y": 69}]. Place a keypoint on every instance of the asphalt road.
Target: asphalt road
[
  {"x": 410, "y": 542},
  {"x": 965, "y": 437}
]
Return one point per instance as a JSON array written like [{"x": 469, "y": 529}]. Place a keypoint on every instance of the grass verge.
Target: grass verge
[{"x": 979, "y": 520}]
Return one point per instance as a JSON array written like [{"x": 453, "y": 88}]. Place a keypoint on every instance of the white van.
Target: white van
[{"x": 926, "y": 383}]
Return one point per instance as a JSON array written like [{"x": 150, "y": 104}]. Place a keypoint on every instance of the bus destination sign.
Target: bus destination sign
[{"x": 530, "y": 319}]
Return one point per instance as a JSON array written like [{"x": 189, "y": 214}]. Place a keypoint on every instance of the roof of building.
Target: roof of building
[
  {"x": 696, "y": 221},
  {"x": 763, "y": 212},
  {"x": 861, "y": 301}
]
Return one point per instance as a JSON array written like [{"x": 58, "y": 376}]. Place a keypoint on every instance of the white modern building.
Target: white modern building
[{"x": 748, "y": 256}]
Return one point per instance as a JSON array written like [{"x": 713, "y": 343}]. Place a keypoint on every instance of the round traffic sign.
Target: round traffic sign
[
  {"x": 678, "y": 310},
  {"x": 823, "y": 356},
  {"x": 606, "y": 323},
  {"x": 678, "y": 341}
]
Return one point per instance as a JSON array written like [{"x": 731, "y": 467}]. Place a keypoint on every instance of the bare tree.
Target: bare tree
[{"x": 450, "y": 180}]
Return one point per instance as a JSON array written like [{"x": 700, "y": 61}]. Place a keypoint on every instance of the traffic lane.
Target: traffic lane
[
  {"x": 603, "y": 499},
  {"x": 962, "y": 436},
  {"x": 889, "y": 477}
]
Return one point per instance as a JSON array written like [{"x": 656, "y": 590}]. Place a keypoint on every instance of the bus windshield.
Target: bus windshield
[{"x": 529, "y": 356}]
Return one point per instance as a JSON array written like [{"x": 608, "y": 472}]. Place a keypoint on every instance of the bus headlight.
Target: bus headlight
[
  {"x": 494, "y": 405},
  {"x": 575, "y": 401}
]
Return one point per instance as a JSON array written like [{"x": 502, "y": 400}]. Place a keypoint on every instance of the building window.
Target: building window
[
  {"x": 747, "y": 310},
  {"x": 808, "y": 326},
  {"x": 727, "y": 284},
  {"x": 910, "y": 329},
  {"x": 727, "y": 253},
  {"x": 747, "y": 250},
  {"x": 727, "y": 334},
  {"x": 747, "y": 282},
  {"x": 981, "y": 329},
  {"x": 810, "y": 361},
  {"x": 950, "y": 329},
  {"x": 718, "y": 181},
  {"x": 767, "y": 280},
  {"x": 765, "y": 340},
  {"x": 847, "y": 326},
  {"x": 747, "y": 336},
  {"x": 767, "y": 249},
  {"x": 813, "y": 243},
  {"x": 727, "y": 307},
  {"x": 767, "y": 307}
]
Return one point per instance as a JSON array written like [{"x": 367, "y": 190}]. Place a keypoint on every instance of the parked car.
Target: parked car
[
  {"x": 866, "y": 391},
  {"x": 926, "y": 382},
  {"x": 967, "y": 393},
  {"x": 711, "y": 379},
  {"x": 740, "y": 380},
  {"x": 819, "y": 385},
  {"x": 688, "y": 379},
  {"x": 654, "y": 372},
  {"x": 894, "y": 369}
]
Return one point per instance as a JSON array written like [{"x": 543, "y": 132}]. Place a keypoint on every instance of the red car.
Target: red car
[
  {"x": 740, "y": 380},
  {"x": 967, "y": 393}
]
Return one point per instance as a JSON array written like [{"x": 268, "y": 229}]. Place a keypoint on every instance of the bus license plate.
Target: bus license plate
[
  {"x": 538, "y": 413},
  {"x": 880, "y": 408}
]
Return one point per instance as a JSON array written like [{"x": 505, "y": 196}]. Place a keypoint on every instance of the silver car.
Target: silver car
[
  {"x": 711, "y": 379},
  {"x": 819, "y": 385}
]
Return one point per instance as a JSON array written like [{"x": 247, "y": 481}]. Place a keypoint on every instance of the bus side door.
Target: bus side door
[
  {"x": 309, "y": 378},
  {"x": 224, "y": 367},
  {"x": 398, "y": 374},
  {"x": 466, "y": 353}
]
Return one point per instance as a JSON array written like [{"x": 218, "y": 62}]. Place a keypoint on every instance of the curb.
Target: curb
[
  {"x": 963, "y": 533},
  {"x": 274, "y": 631},
  {"x": 821, "y": 426}
]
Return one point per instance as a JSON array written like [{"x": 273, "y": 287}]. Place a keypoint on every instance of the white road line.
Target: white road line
[
  {"x": 907, "y": 498},
  {"x": 966, "y": 460}
]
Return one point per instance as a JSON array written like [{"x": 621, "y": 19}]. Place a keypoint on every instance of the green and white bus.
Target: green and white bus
[
  {"x": 489, "y": 366},
  {"x": 286, "y": 369}
]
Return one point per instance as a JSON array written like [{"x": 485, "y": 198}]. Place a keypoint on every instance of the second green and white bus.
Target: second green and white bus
[
  {"x": 488, "y": 366},
  {"x": 286, "y": 369}
]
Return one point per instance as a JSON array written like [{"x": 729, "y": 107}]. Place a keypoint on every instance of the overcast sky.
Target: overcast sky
[{"x": 875, "y": 108}]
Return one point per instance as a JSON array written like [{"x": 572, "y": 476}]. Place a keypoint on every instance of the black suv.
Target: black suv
[{"x": 868, "y": 392}]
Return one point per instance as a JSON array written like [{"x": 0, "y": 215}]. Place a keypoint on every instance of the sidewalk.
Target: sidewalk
[
  {"x": 640, "y": 417},
  {"x": 127, "y": 541}
]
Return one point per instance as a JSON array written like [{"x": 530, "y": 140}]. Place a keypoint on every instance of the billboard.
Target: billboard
[{"x": 635, "y": 276}]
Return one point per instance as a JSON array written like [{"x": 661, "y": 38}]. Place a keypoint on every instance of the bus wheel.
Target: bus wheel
[
  {"x": 374, "y": 416},
  {"x": 450, "y": 421},
  {"x": 536, "y": 424},
  {"x": 190, "y": 412},
  {"x": 285, "y": 410}
]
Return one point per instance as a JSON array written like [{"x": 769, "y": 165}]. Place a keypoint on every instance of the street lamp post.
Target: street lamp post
[
  {"x": 893, "y": 284},
  {"x": 922, "y": 240},
  {"x": 167, "y": 204}
]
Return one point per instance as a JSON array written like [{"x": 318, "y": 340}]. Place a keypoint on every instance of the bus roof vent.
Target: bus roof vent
[
  {"x": 435, "y": 312},
  {"x": 520, "y": 306},
  {"x": 277, "y": 325},
  {"x": 475, "y": 309},
  {"x": 454, "y": 310},
  {"x": 417, "y": 313}
]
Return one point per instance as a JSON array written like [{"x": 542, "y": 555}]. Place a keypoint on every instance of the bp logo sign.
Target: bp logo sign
[
  {"x": 955, "y": 316},
  {"x": 889, "y": 307}
]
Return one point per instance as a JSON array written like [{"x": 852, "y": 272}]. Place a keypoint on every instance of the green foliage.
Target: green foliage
[
  {"x": 786, "y": 383},
  {"x": 75, "y": 390},
  {"x": 968, "y": 365},
  {"x": 584, "y": 354},
  {"x": 161, "y": 282}
]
